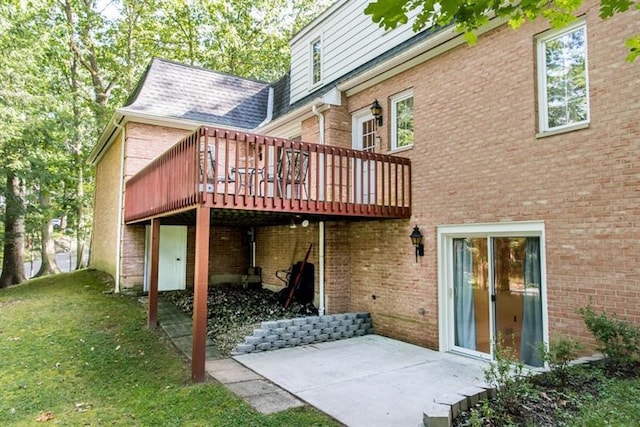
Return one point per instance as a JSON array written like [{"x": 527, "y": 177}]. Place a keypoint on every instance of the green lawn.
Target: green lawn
[{"x": 72, "y": 352}]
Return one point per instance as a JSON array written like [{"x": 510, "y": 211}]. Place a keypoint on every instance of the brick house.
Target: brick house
[{"x": 517, "y": 159}]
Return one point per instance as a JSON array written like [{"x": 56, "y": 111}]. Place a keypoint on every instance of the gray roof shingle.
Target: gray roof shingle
[{"x": 173, "y": 90}]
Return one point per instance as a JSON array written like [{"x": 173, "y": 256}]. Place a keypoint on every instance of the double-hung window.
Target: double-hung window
[
  {"x": 316, "y": 61},
  {"x": 402, "y": 120},
  {"x": 563, "y": 84}
]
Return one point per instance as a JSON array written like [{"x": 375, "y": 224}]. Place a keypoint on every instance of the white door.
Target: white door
[
  {"x": 364, "y": 139},
  {"x": 172, "y": 264}
]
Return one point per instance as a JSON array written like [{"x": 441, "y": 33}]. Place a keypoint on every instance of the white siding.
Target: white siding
[{"x": 349, "y": 39}]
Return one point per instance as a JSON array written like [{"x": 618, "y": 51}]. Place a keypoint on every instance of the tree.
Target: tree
[{"x": 469, "y": 15}]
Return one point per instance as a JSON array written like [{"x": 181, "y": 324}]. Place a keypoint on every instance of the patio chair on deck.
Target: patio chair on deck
[
  {"x": 212, "y": 178},
  {"x": 291, "y": 171}
]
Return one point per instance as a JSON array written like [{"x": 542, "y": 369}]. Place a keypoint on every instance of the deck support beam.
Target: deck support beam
[
  {"x": 200, "y": 294},
  {"x": 152, "y": 314}
]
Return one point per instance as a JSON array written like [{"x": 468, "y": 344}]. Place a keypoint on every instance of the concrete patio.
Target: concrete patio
[{"x": 369, "y": 380}]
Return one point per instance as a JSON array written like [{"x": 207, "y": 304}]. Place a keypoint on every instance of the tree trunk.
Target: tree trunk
[
  {"x": 14, "y": 227},
  {"x": 48, "y": 247},
  {"x": 80, "y": 230}
]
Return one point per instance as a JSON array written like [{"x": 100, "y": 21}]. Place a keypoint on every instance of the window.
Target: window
[
  {"x": 563, "y": 87},
  {"x": 402, "y": 120},
  {"x": 316, "y": 61}
]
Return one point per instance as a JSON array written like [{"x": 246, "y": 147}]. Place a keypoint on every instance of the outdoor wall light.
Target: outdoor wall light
[
  {"x": 417, "y": 241},
  {"x": 376, "y": 110}
]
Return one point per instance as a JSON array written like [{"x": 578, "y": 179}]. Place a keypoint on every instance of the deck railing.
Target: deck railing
[{"x": 233, "y": 170}]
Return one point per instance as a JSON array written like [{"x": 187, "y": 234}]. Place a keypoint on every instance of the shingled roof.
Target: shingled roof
[{"x": 173, "y": 90}]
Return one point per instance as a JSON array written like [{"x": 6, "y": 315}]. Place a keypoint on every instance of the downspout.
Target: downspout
[
  {"x": 120, "y": 203},
  {"x": 321, "y": 229}
]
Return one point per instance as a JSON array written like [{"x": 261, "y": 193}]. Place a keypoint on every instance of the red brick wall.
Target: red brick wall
[
  {"x": 228, "y": 251},
  {"x": 143, "y": 144},
  {"x": 476, "y": 159}
]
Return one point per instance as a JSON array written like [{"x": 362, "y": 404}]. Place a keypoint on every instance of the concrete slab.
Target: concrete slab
[
  {"x": 369, "y": 380},
  {"x": 271, "y": 403},
  {"x": 229, "y": 371}
]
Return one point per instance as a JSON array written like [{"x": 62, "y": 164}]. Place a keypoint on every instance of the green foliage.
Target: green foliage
[
  {"x": 618, "y": 340},
  {"x": 507, "y": 374},
  {"x": 560, "y": 353},
  {"x": 469, "y": 15},
  {"x": 84, "y": 355}
]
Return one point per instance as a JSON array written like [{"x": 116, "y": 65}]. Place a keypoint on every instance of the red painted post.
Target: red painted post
[
  {"x": 200, "y": 294},
  {"x": 152, "y": 315}
]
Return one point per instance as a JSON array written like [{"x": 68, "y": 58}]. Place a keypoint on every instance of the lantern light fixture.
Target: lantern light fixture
[{"x": 417, "y": 239}]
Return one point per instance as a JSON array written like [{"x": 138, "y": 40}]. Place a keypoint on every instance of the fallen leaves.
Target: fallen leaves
[{"x": 44, "y": 417}]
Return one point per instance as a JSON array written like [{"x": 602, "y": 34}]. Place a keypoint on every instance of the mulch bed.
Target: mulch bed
[{"x": 233, "y": 312}]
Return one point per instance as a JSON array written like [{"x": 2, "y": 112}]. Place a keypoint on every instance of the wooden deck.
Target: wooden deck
[{"x": 221, "y": 169}]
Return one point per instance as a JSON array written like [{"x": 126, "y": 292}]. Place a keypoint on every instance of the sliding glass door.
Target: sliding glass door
[{"x": 496, "y": 284}]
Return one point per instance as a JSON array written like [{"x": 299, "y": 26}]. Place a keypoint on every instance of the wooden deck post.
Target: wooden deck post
[
  {"x": 200, "y": 295},
  {"x": 152, "y": 316}
]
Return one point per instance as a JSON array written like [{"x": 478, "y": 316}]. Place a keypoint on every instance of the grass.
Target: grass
[
  {"x": 77, "y": 355},
  {"x": 617, "y": 405}
]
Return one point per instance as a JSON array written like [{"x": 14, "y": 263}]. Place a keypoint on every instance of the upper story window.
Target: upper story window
[
  {"x": 402, "y": 120},
  {"x": 563, "y": 84},
  {"x": 316, "y": 61}
]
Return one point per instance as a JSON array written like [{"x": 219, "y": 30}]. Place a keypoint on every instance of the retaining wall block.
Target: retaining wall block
[
  {"x": 348, "y": 334},
  {"x": 365, "y": 326},
  {"x": 339, "y": 317},
  {"x": 299, "y": 321},
  {"x": 437, "y": 415},
  {"x": 335, "y": 335},
  {"x": 328, "y": 330},
  {"x": 245, "y": 348},
  {"x": 284, "y": 323},
  {"x": 473, "y": 395},
  {"x": 279, "y": 343},
  {"x": 294, "y": 341},
  {"x": 286, "y": 335},
  {"x": 315, "y": 332},
  {"x": 353, "y": 328},
  {"x": 251, "y": 340},
  {"x": 271, "y": 338},
  {"x": 261, "y": 332},
  {"x": 346, "y": 322},
  {"x": 349, "y": 316},
  {"x": 334, "y": 324},
  {"x": 292, "y": 328},
  {"x": 322, "y": 338},
  {"x": 326, "y": 318},
  {"x": 300, "y": 334},
  {"x": 321, "y": 325},
  {"x": 457, "y": 403},
  {"x": 358, "y": 321},
  {"x": 270, "y": 324},
  {"x": 264, "y": 346},
  {"x": 341, "y": 329},
  {"x": 279, "y": 331},
  {"x": 360, "y": 332},
  {"x": 313, "y": 320},
  {"x": 308, "y": 339},
  {"x": 306, "y": 327},
  {"x": 363, "y": 315}
]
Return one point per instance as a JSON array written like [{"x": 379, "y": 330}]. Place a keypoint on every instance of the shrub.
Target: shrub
[
  {"x": 506, "y": 373},
  {"x": 618, "y": 340},
  {"x": 560, "y": 353}
]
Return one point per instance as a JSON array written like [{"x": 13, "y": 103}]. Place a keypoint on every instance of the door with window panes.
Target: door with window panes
[{"x": 364, "y": 139}]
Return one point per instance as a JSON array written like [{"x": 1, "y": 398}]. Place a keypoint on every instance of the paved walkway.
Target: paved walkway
[{"x": 262, "y": 395}]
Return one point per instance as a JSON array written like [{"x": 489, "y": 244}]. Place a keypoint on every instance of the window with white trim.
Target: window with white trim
[
  {"x": 563, "y": 84},
  {"x": 402, "y": 120},
  {"x": 316, "y": 61}
]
